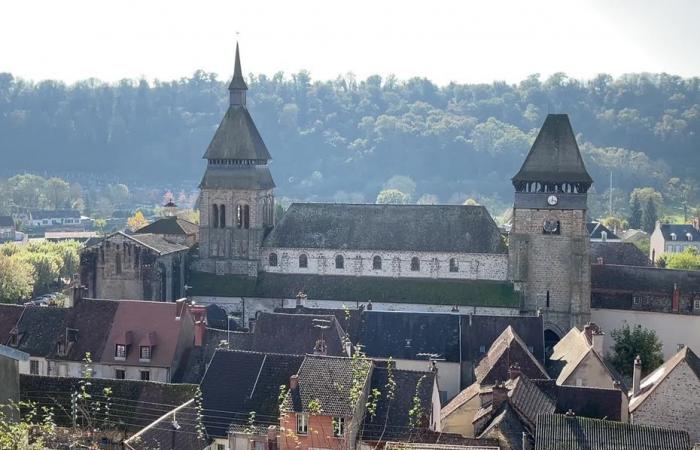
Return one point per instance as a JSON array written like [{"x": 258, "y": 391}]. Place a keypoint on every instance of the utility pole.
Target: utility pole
[{"x": 610, "y": 207}]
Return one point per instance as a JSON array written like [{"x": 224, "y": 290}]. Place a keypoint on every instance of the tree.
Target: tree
[
  {"x": 100, "y": 224},
  {"x": 57, "y": 193},
  {"x": 137, "y": 221},
  {"x": 47, "y": 268},
  {"x": 16, "y": 279},
  {"x": 688, "y": 259},
  {"x": 649, "y": 216},
  {"x": 630, "y": 342},
  {"x": 392, "y": 196},
  {"x": 635, "y": 219}
]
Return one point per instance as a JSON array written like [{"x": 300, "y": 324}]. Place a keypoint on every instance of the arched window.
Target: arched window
[
  {"x": 303, "y": 261},
  {"x": 272, "y": 260},
  {"x": 377, "y": 263},
  {"x": 453, "y": 265},
  {"x": 339, "y": 262},
  {"x": 415, "y": 264},
  {"x": 215, "y": 215},
  {"x": 222, "y": 216}
]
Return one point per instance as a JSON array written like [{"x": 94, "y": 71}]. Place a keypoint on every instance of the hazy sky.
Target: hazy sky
[{"x": 460, "y": 40}]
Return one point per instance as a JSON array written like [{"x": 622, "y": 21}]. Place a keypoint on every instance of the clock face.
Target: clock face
[
  {"x": 550, "y": 226},
  {"x": 552, "y": 200}
]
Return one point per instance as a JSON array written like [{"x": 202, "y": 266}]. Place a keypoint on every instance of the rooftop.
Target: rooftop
[
  {"x": 506, "y": 350},
  {"x": 619, "y": 253},
  {"x": 170, "y": 225}
]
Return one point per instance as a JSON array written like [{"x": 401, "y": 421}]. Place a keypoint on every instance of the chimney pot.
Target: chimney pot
[
  {"x": 369, "y": 305},
  {"x": 294, "y": 382},
  {"x": 272, "y": 437},
  {"x": 500, "y": 395}
]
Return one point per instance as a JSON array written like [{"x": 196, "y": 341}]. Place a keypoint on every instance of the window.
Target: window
[
  {"x": 145, "y": 375},
  {"x": 118, "y": 263},
  {"x": 215, "y": 215},
  {"x": 120, "y": 351},
  {"x": 60, "y": 348},
  {"x": 222, "y": 216},
  {"x": 377, "y": 263},
  {"x": 339, "y": 262},
  {"x": 673, "y": 236},
  {"x": 145, "y": 352},
  {"x": 547, "y": 299},
  {"x": 689, "y": 236},
  {"x": 302, "y": 423},
  {"x": 696, "y": 304},
  {"x": 221, "y": 447},
  {"x": 636, "y": 300},
  {"x": 338, "y": 426},
  {"x": 243, "y": 216},
  {"x": 120, "y": 374},
  {"x": 34, "y": 367},
  {"x": 453, "y": 265},
  {"x": 482, "y": 349},
  {"x": 303, "y": 261},
  {"x": 272, "y": 260},
  {"x": 415, "y": 264}
]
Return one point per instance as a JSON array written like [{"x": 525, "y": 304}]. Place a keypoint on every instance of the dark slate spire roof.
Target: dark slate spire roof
[
  {"x": 237, "y": 82},
  {"x": 555, "y": 156}
]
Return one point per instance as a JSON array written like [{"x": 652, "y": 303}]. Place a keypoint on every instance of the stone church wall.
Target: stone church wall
[{"x": 471, "y": 266}]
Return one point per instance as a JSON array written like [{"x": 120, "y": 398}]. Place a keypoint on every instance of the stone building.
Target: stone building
[
  {"x": 135, "y": 267},
  {"x": 674, "y": 238}
]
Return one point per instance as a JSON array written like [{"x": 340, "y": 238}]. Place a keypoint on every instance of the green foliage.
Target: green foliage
[
  {"x": 633, "y": 341},
  {"x": 34, "y": 431},
  {"x": 416, "y": 413},
  {"x": 649, "y": 216},
  {"x": 392, "y": 197},
  {"x": 17, "y": 279},
  {"x": 688, "y": 259},
  {"x": 635, "y": 217},
  {"x": 314, "y": 406}
]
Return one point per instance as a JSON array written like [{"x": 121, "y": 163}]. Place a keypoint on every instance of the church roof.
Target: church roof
[
  {"x": 170, "y": 225},
  {"x": 237, "y": 177},
  {"x": 555, "y": 156},
  {"x": 415, "y": 228},
  {"x": 237, "y": 137},
  {"x": 237, "y": 82}
]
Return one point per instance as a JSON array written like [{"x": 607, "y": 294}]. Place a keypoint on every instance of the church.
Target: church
[{"x": 444, "y": 257}]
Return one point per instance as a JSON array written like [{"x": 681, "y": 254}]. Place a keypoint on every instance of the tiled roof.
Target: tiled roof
[
  {"x": 349, "y": 319},
  {"x": 482, "y": 331},
  {"x": 554, "y": 156},
  {"x": 681, "y": 231},
  {"x": 9, "y": 316},
  {"x": 327, "y": 380},
  {"x": 556, "y": 431},
  {"x": 528, "y": 399},
  {"x": 176, "y": 430},
  {"x": 507, "y": 349},
  {"x": 170, "y": 225},
  {"x": 403, "y": 335},
  {"x": 618, "y": 253},
  {"x": 643, "y": 279},
  {"x": 392, "y": 421},
  {"x": 40, "y": 328},
  {"x": 591, "y": 402},
  {"x": 91, "y": 320},
  {"x": 413, "y": 228},
  {"x": 596, "y": 230},
  {"x": 157, "y": 243},
  {"x": 506, "y": 428},
  {"x": 296, "y": 334},
  {"x": 195, "y": 359},
  {"x": 6, "y": 221},
  {"x": 57, "y": 214},
  {"x": 238, "y": 382},
  {"x": 237, "y": 137},
  {"x": 661, "y": 373}
]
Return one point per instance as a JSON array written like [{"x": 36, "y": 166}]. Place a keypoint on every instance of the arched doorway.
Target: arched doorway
[{"x": 551, "y": 338}]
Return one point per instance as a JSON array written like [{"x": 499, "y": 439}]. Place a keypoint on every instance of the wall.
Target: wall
[
  {"x": 672, "y": 329},
  {"x": 320, "y": 434},
  {"x": 460, "y": 421},
  {"x": 472, "y": 266},
  {"x": 675, "y": 403},
  {"x": 9, "y": 387},
  {"x": 592, "y": 373},
  {"x": 448, "y": 374}
]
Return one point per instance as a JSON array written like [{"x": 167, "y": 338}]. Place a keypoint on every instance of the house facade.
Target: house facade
[
  {"x": 674, "y": 238},
  {"x": 7, "y": 229},
  {"x": 55, "y": 218}
]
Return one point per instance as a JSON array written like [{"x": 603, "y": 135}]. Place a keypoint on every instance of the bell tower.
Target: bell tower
[
  {"x": 549, "y": 245},
  {"x": 236, "y": 193}
]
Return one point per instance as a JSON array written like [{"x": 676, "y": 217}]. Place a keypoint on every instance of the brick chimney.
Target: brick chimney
[
  {"x": 199, "y": 317},
  {"x": 294, "y": 382},
  {"x": 597, "y": 343},
  {"x": 272, "y": 438},
  {"x": 369, "y": 305},
  {"x": 636, "y": 375},
  {"x": 514, "y": 371},
  {"x": 676, "y": 299},
  {"x": 500, "y": 396},
  {"x": 588, "y": 332}
]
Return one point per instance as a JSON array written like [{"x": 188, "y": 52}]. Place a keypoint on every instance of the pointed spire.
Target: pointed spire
[{"x": 237, "y": 83}]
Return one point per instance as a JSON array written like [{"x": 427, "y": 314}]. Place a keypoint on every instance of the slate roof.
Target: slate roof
[
  {"x": 618, "y": 253},
  {"x": 392, "y": 421},
  {"x": 556, "y": 431},
  {"x": 327, "y": 380},
  {"x": 528, "y": 400},
  {"x": 414, "y": 228},
  {"x": 658, "y": 376},
  {"x": 155, "y": 242},
  {"x": 238, "y": 382},
  {"x": 596, "y": 229},
  {"x": 9, "y": 317},
  {"x": 237, "y": 82},
  {"x": 482, "y": 331},
  {"x": 506, "y": 428},
  {"x": 195, "y": 359},
  {"x": 7, "y": 221},
  {"x": 643, "y": 279},
  {"x": 554, "y": 156},
  {"x": 162, "y": 433},
  {"x": 349, "y": 319},
  {"x": 353, "y": 289},
  {"x": 237, "y": 177},
  {"x": 591, "y": 402},
  {"x": 57, "y": 214},
  {"x": 40, "y": 329},
  {"x": 681, "y": 231},
  {"x": 170, "y": 225},
  {"x": 92, "y": 320},
  {"x": 296, "y": 334},
  {"x": 237, "y": 138},
  {"x": 403, "y": 335},
  {"x": 507, "y": 349}
]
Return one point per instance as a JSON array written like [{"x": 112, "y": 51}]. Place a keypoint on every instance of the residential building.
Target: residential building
[
  {"x": 674, "y": 238},
  {"x": 569, "y": 432},
  {"x": 600, "y": 233},
  {"x": 7, "y": 229},
  {"x": 669, "y": 397},
  {"x": 618, "y": 253},
  {"x": 55, "y": 218},
  {"x": 176, "y": 430},
  {"x": 79, "y": 236}
]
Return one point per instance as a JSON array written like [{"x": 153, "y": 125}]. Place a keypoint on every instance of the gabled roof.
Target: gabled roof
[
  {"x": 296, "y": 334},
  {"x": 659, "y": 376},
  {"x": 506, "y": 350},
  {"x": 554, "y": 156},
  {"x": 170, "y": 225},
  {"x": 392, "y": 421},
  {"x": 7, "y": 221},
  {"x": 403, "y": 335},
  {"x": 327, "y": 380},
  {"x": 9, "y": 317},
  {"x": 90, "y": 321},
  {"x": 237, "y": 138},
  {"x": 155, "y": 242},
  {"x": 460, "y": 399},
  {"x": 682, "y": 231},
  {"x": 482, "y": 331},
  {"x": 349, "y": 319},
  {"x": 175, "y": 430},
  {"x": 506, "y": 428},
  {"x": 596, "y": 230},
  {"x": 557, "y": 431},
  {"x": 238, "y": 382},
  {"x": 413, "y": 228},
  {"x": 597, "y": 403},
  {"x": 39, "y": 329},
  {"x": 528, "y": 399},
  {"x": 619, "y": 253}
]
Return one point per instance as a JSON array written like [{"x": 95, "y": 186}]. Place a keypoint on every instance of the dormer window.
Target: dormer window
[
  {"x": 120, "y": 351},
  {"x": 145, "y": 353},
  {"x": 604, "y": 236},
  {"x": 673, "y": 236},
  {"x": 60, "y": 349},
  {"x": 689, "y": 236}
]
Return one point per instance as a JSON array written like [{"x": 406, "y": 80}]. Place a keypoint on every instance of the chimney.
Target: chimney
[
  {"x": 600, "y": 260},
  {"x": 500, "y": 395},
  {"x": 272, "y": 438},
  {"x": 597, "y": 343},
  {"x": 348, "y": 347},
  {"x": 588, "y": 332},
  {"x": 300, "y": 299},
  {"x": 676, "y": 299},
  {"x": 514, "y": 371},
  {"x": 199, "y": 317},
  {"x": 251, "y": 324},
  {"x": 696, "y": 223},
  {"x": 369, "y": 305},
  {"x": 294, "y": 382},
  {"x": 636, "y": 375}
]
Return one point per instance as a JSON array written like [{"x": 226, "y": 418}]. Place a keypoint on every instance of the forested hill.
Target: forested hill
[{"x": 347, "y": 139}]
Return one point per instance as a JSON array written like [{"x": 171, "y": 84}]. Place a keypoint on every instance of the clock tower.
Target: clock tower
[{"x": 549, "y": 245}]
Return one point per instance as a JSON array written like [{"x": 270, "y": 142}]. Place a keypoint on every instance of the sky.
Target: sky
[{"x": 458, "y": 40}]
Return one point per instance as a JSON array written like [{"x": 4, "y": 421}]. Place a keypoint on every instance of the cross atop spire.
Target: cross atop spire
[{"x": 237, "y": 87}]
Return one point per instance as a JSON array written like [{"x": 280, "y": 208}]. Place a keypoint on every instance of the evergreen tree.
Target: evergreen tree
[
  {"x": 635, "y": 219},
  {"x": 649, "y": 216}
]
